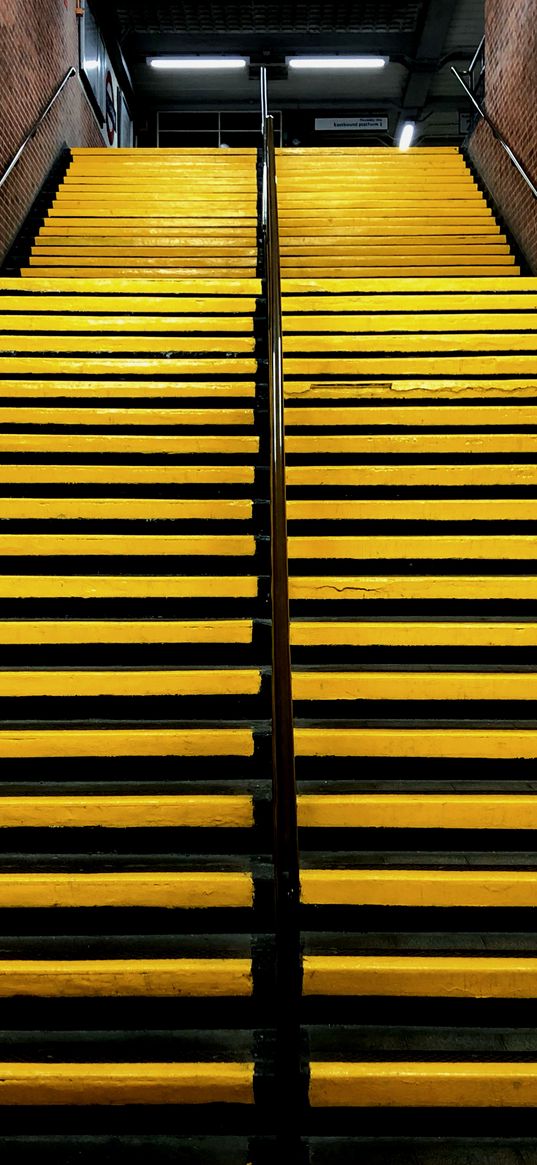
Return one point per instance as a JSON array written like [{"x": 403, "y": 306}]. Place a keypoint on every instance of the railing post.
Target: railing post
[{"x": 289, "y": 1081}]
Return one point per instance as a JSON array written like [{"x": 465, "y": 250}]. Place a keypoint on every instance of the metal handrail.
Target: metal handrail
[
  {"x": 496, "y": 132},
  {"x": 72, "y": 72},
  {"x": 285, "y": 834}
]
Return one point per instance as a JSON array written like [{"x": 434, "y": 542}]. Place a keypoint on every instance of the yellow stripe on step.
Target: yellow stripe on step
[
  {"x": 128, "y": 474},
  {"x": 112, "y": 1084},
  {"x": 101, "y": 417},
  {"x": 130, "y": 344},
  {"x": 170, "y": 890},
  {"x": 94, "y": 978},
  {"x": 409, "y": 475},
  {"x": 482, "y": 587},
  {"x": 69, "y": 365},
  {"x": 35, "y": 586},
  {"x": 121, "y": 509},
  {"x": 408, "y": 416},
  {"x": 392, "y": 685},
  {"x": 416, "y": 510},
  {"x": 169, "y": 307},
  {"x": 406, "y": 1084},
  {"x": 31, "y": 545},
  {"x": 484, "y": 305},
  {"x": 117, "y": 286},
  {"x": 416, "y": 811},
  {"x": 392, "y": 389},
  {"x": 389, "y": 366},
  {"x": 492, "y": 744},
  {"x": 410, "y": 443},
  {"x": 419, "y": 322},
  {"x": 462, "y": 546},
  {"x": 110, "y": 389},
  {"x": 165, "y": 682},
  {"x": 480, "y": 342},
  {"x": 399, "y": 633},
  {"x": 414, "y": 975},
  {"x": 444, "y": 888},
  {"x": 138, "y": 631},
  {"x": 117, "y": 444},
  {"x": 138, "y": 324},
  {"x": 127, "y": 812},
  {"x": 122, "y": 742}
]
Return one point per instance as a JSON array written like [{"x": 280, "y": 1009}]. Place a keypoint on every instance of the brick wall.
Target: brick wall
[
  {"x": 511, "y": 74},
  {"x": 38, "y": 44}
]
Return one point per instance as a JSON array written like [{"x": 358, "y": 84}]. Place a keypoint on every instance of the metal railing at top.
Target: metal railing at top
[
  {"x": 469, "y": 88},
  {"x": 72, "y": 72},
  {"x": 285, "y": 835}
]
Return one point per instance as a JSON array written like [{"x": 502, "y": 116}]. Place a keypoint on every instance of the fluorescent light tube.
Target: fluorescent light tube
[
  {"x": 336, "y": 62},
  {"x": 197, "y": 63},
  {"x": 406, "y": 135}
]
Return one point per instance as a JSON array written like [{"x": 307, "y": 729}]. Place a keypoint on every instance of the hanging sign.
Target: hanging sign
[{"x": 351, "y": 123}]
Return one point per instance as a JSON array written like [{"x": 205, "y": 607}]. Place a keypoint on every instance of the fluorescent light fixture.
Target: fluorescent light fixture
[
  {"x": 406, "y": 135},
  {"x": 197, "y": 63},
  {"x": 337, "y": 62}
]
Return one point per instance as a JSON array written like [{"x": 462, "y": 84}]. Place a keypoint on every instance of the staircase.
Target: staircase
[{"x": 136, "y": 877}]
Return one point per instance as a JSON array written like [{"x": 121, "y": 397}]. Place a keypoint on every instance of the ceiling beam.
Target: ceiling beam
[{"x": 437, "y": 19}]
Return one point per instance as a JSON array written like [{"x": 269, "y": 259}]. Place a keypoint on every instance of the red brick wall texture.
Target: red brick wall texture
[
  {"x": 38, "y": 44},
  {"x": 511, "y": 102}
]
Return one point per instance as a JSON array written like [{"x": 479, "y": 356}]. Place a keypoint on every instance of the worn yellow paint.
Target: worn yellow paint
[
  {"x": 480, "y": 303},
  {"x": 137, "y": 631},
  {"x": 413, "y": 321},
  {"x": 109, "y": 389},
  {"x": 89, "y": 285},
  {"x": 154, "y": 682},
  {"x": 385, "y": 270},
  {"x": 129, "y": 474},
  {"x": 122, "y": 742},
  {"x": 416, "y": 811},
  {"x": 127, "y": 812},
  {"x": 475, "y": 364},
  {"x": 409, "y": 342},
  {"x": 101, "y": 417},
  {"x": 468, "y": 887},
  {"x": 240, "y": 545},
  {"x": 138, "y": 343},
  {"x": 418, "y": 509},
  {"x": 139, "y": 270},
  {"x": 408, "y": 416},
  {"x": 416, "y": 975},
  {"x": 90, "y": 978},
  {"x": 117, "y": 444},
  {"x": 462, "y": 546},
  {"x": 406, "y": 284},
  {"x": 453, "y": 1084},
  {"x": 126, "y": 586},
  {"x": 183, "y": 889},
  {"x": 399, "y": 633},
  {"x": 58, "y": 253},
  {"x": 413, "y": 587},
  {"x": 112, "y": 1084},
  {"x": 75, "y": 308},
  {"x": 125, "y": 365},
  {"x": 122, "y": 323},
  {"x": 409, "y": 475},
  {"x": 406, "y": 685},
  {"x": 409, "y": 443},
  {"x": 121, "y": 509},
  {"x": 500, "y": 744}
]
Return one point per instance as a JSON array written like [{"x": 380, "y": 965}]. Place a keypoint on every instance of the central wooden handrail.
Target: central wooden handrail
[{"x": 285, "y": 833}]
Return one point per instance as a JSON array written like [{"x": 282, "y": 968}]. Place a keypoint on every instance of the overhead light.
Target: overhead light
[
  {"x": 406, "y": 135},
  {"x": 337, "y": 62},
  {"x": 197, "y": 63}
]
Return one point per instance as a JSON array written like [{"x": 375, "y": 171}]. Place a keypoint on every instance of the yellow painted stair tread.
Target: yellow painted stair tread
[
  {"x": 436, "y": 415},
  {"x": 463, "y": 365},
  {"x": 415, "y": 320},
  {"x": 115, "y": 285},
  {"x": 462, "y": 546},
  {"x": 126, "y": 1083},
  {"x": 110, "y": 415},
  {"x": 440, "y": 284},
  {"x": 125, "y": 631},
  {"x": 184, "y": 889},
  {"x": 126, "y": 742},
  {"x": 161, "y": 261},
  {"x": 130, "y": 344},
  {"x": 394, "y": 389},
  {"x": 409, "y": 1084},
  {"x": 117, "y": 444},
  {"x": 241, "y": 545},
  {"x": 414, "y": 443},
  {"x": 384, "y": 270},
  {"x": 468, "y": 887},
  {"x": 82, "y": 322},
  {"x": 417, "y": 509},
  {"x": 93, "y": 978},
  {"x": 417, "y": 811},
  {"x": 500, "y": 744},
  {"x": 390, "y": 587},
  {"x": 127, "y": 812},
  {"x": 111, "y": 389},
  {"x": 484, "y": 304},
  {"x": 129, "y": 474},
  {"x": 418, "y": 975},
  {"x": 445, "y": 342},
  {"x": 392, "y": 685},
  {"x": 409, "y": 475},
  {"x": 139, "y": 586},
  {"x": 136, "y": 271},
  {"x": 125, "y": 365},
  {"x": 123, "y": 682},
  {"x": 405, "y": 633}
]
